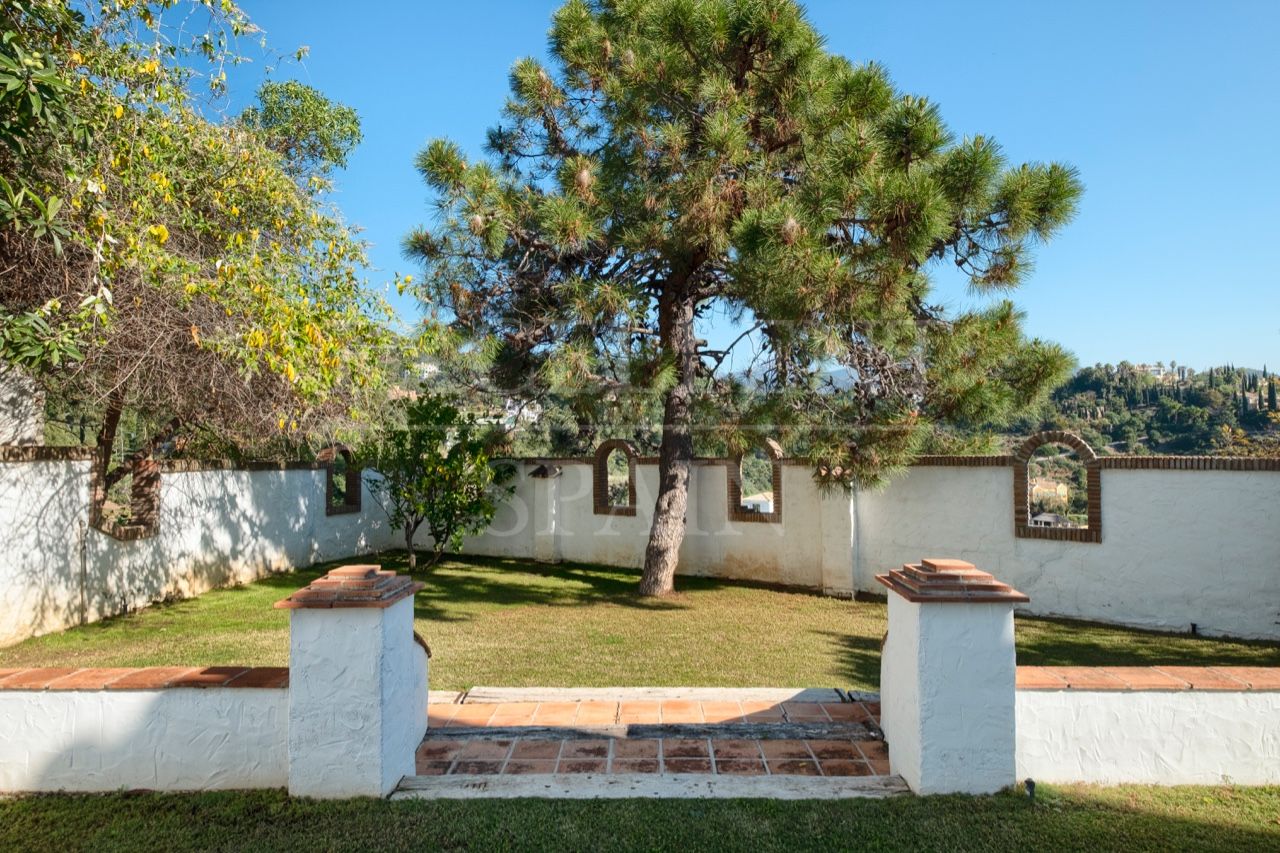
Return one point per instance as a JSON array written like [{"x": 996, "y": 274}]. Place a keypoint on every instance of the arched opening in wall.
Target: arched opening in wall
[
  {"x": 126, "y": 504},
  {"x": 755, "y": 484},
  {"x": 614, "y": 479},
  {"x": 342, "y": 480},
  {"x": 1057, "y": 489}
]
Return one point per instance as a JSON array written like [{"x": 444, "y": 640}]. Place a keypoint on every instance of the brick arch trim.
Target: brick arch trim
[
  {"x": 351, "y": 493},
  {"x": 1022, "y": 490},
  {"x": 1070, "y": 439},
  {"x": 734, "y": 478},
  {"x": 600, "y": 478}
]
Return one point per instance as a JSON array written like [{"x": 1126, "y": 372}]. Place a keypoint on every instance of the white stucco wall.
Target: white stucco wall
[
  {"x": 21, "y": 408},
  {"x": 216, "y": 528},
  {"x": 357, "y": 699},
  {"x": 947, "y": 683},
  {"x": 1177, "y": 546},
  {"x": 171, "y": 740},
  {"x": 554, "y": 518},
  {"x": 1187, "y": 737}
]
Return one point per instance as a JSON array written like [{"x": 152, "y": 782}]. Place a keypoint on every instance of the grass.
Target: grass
[
  {"x": 1070, "y": 818},
  {"x": 513, "y": 623}
]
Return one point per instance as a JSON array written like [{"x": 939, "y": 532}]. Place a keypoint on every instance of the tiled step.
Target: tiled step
[
  {"x": 721, "y": 755},
  {"x": 619, "y": 786},
  {"x": 771, "y": 730},
  {"x": 646, "y": 712},
  {"x": 772, "y": 695}
]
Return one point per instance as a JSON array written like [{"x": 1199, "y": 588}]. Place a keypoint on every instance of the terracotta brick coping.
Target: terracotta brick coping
[
  {"x": 353, "y": 586},
  {"x": 1147, "y": 678},
  {"x": 937, "y": 579},
  {"x": 145, "y": 678}
]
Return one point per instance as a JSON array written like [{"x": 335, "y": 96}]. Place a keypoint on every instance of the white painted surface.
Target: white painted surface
[
  {"x": 1177, "y": 546},
  {"x": 553, "y": 519},
  {"x": 596, "y": 786},
  {"x": 1186, "y": 737},
  {"x": 216, "y": 528},
  {"x": 357, "y": 700},
  {"x": 947, "y": 695},
  {"x": 21, "y": 408},
  {"x": 166, "y": 740}
]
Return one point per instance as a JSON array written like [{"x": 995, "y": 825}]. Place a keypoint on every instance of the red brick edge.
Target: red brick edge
[
  {"x": 1121, "y": 678},
  {"x": 146, "y": 678}
]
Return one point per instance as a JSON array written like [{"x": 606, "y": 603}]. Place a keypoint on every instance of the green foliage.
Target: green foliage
[
  {"x": 162, "y": 260},
  {"x": 313, "y": 134},
  {"x": 1122, "y": 409},
  {"x": 435, "y": 468},
  {"x": 681, "y": 159}
]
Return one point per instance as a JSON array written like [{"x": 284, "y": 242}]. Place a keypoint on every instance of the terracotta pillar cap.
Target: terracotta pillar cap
[
  {"x": 939, "y": 579},
  {"x": 353, "y": 586}
]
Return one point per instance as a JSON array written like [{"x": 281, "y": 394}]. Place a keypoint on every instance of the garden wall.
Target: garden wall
[
  {"x": 163, "y": 728},
  {"x": 215, "y": 527},
  {"x": 553, "y": 518},
  {"x": 1180, "y": 541},
  {"x": 1177, "y": 546},
  {"x": 1149, "y": 726}
]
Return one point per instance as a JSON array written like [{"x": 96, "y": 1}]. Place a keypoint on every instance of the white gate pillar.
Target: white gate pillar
[
  {"x": 357, "y": 684},
  {"x": 947, "y": 678}
]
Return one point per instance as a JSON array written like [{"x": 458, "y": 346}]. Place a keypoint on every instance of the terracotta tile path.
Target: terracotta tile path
[{"x": 654, "y": 737}]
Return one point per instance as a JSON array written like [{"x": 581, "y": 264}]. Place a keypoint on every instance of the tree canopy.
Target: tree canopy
[
  {"x": 159, "y": 258},
  {"x": 680, "y": 159}
]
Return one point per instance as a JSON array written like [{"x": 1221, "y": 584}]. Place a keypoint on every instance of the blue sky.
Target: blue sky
[{"x": 1169, "y": 110}]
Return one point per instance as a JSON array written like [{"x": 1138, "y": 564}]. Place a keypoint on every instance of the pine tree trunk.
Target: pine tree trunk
[{"x": 675, "y": 325}]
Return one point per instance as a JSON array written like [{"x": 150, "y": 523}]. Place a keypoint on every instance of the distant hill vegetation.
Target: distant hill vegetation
[{"x": 1153, "y": 409}]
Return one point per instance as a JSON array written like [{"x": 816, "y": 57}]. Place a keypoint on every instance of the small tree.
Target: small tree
[{"x": 435, "y": 470}]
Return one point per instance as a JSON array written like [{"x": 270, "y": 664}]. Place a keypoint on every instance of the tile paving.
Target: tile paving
[{"x": 672, "y": 736}]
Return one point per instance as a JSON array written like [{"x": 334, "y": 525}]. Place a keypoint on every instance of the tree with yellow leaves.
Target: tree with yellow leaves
[{"x": 158, "y": 259}]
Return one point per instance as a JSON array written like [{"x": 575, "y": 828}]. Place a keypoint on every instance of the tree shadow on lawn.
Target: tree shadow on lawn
[
  {"x": 857, "y": 657},
  {"x": 476, "y": 580}
]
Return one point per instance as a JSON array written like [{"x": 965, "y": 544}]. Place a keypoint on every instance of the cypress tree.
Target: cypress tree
[
  {"x": 1271, "y": 396},
  {"x": 679, "y": 158}
]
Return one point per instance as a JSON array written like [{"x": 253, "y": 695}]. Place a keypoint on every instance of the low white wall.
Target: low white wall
[
  {"x": 216, "y": 527},
  {"x": 1188, "y": 737},
  {"x": 172, "y": 739}
]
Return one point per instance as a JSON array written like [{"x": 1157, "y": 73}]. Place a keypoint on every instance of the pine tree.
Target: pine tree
[{"x": 682, "y": 159}]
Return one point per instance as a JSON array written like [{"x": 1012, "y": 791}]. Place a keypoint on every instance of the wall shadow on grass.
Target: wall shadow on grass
[
  {"x": 1075, "y": 819},
  {"x": 1069, "y": 642}
]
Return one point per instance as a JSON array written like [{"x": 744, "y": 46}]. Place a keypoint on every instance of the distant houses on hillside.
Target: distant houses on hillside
[{"x": 1043, "y": 489}]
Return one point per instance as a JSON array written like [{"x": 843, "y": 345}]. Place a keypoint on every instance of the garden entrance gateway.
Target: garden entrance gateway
[{"x": 625, "y": 742}]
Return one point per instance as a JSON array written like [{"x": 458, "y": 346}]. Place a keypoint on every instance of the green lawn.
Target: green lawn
[
  {"x": 1072, "y": 818},
  {"x": 512, "y": 623}
]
